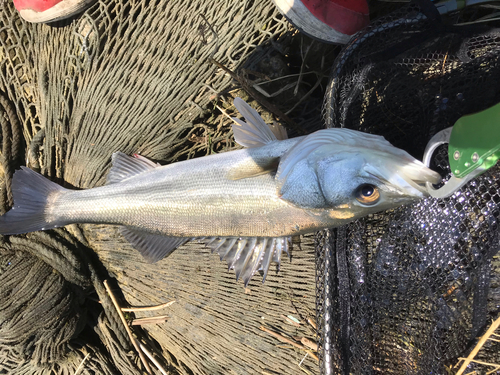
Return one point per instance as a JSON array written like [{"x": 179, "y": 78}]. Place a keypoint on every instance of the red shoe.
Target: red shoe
[
  {"x": 50, "y": 10},
  {"x": 332, "y": 21}
]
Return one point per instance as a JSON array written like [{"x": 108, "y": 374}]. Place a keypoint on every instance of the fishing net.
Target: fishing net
[
  {"x": 409, "y": 291},
  {"x": 142, "y": 77}
]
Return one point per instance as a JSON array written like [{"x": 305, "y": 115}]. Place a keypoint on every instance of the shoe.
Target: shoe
[
  {"x": 38, "y": 11},
  {"x": 331, "y": 21}
]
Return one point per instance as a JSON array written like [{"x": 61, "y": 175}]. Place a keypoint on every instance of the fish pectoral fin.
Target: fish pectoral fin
[
  {"x": 254, "y": 132},
  {"x": 153, "y": 247},
  {"x": 247, "y": 255},
  {"x": 125, "y": 166},
  {"x": 252, "y": 168}
]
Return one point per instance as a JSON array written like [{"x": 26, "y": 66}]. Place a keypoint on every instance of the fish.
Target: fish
[{"x": 245, "y": 204}]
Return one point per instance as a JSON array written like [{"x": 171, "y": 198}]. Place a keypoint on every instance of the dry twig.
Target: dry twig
[
  {"x": 150, "y": 320},
  {"x": 281, "y": 337},
  {"x": 80, "y": 366},
  {"x": 312, "y": 323},
  {"x": 259, "y": 98},
  {"x": 318, "y": 82},
  {"x": 127, "y": 328},
  {"x": 288, "y": 341},
  {"x": 303, "y": 65},
  {"x": 147, "y": 308},
  {"x": 153, "y": 359},
  {"x": 494, "y": 326},
  {"x": 309, "y": 343},
  {"x": 313, "y": 355},
  {"x": 268, "y": 372}
]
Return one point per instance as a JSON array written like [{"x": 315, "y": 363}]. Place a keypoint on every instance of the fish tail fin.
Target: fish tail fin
[{"x": 32, "y": 193}]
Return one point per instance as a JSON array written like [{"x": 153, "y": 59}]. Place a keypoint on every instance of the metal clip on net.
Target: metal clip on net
[{"x": 474, "y": 147}]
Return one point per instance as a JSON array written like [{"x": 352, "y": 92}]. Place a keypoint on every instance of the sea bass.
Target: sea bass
[{"x": 245, "y": 204}]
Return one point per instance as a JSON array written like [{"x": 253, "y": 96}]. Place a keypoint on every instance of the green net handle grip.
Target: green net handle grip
[{"x": 475, "y": 142}]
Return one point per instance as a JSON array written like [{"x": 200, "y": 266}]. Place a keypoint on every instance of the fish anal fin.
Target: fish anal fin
[
  {"x": 153, "y": 247},
  {"x": 125, "y": 166},
  {"x": 247, "y": 255},
  {"x": 253, "y": 168}
]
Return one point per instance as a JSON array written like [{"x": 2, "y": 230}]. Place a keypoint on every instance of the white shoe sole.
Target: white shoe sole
[
  {"x": 60, "y": 11},
  {"x": 300, "y": 17}
]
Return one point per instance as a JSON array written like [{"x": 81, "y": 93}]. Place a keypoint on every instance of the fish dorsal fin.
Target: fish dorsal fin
[
  {"x": 125, "y": 166},
  {"x": 153, "y": 247},
  {"x": 254, "y": 132},
  {"x": 247, "y": 255}
]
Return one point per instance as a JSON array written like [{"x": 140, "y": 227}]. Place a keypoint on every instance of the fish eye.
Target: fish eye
[{"x": 367, "y": 194}]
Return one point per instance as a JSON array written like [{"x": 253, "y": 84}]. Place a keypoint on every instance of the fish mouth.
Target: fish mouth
[
  {"x": 418, "y": 175},
  {"x": 405, "y": 177}
]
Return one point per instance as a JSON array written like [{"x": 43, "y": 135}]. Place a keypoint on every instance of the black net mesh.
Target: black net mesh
[{"x": 408, "y": 291}]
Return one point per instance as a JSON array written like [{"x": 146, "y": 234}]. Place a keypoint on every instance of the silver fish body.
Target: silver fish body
[
  {"x": 194, "y": 198},
  {"x": 244, "y": 203}
]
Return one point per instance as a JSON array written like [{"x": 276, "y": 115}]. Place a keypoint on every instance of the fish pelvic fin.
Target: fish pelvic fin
[
  {"x": 249, "y": 255},
  {"x": 153, "y": 247},
  {"x": 254, "y": 132},
  {"x": 125, "y": 166},
  {"x": 33, "y": 193}
]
